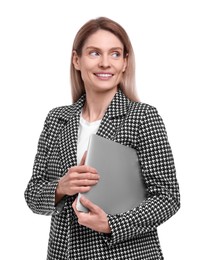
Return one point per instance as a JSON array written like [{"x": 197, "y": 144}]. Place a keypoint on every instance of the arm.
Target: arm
[
  {"x": 46, "y": 192},
  {"x": 163, "y": 199},
  {"x": 40, "y": 192}
]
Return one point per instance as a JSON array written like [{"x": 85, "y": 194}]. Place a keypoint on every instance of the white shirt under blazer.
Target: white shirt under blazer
[
  {"x": 133, "y": 233},
  {"x": 85, "y": 130}
]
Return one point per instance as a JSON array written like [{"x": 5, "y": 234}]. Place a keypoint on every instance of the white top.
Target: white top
[{"x": 86, "y": 129}]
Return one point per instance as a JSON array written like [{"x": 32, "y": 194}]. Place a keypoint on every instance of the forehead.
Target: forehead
[{"x": 103, "y": 39}]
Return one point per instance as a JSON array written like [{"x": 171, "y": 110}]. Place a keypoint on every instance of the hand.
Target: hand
[
  {"x": 78, "y": 179},
  {"x": 95, "y": 219}
]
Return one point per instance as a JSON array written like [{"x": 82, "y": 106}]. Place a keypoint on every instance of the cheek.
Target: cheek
[
  {"x": 87, "y": 67},
  {"x": 120, "y": 68},
  {"x": 85, "y": 74},
  {"x": 121, "y": 71}
]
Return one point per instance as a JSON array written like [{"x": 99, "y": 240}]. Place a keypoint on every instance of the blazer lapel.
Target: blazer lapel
[
  {"x": 69, "y": 134},
  {"x": 114, "y": 116},
  {"x": 109, "y": 127}
]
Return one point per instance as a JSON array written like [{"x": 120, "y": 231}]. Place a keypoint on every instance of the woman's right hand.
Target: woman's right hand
[{"x": 78, "y": 179}]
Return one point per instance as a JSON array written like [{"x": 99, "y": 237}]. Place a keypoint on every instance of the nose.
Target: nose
[{"x": 104, "y": 61}]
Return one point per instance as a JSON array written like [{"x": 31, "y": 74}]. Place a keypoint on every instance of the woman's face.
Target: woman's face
[{"x": 102, "y": 62}]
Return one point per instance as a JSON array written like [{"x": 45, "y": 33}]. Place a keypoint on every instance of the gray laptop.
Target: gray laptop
[{"x": 120, "y": 187}]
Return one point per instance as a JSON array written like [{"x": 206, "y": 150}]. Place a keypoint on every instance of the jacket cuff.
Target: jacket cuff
[
  {"x": 120, "y": 230},
  {"x": 49, "y": 195},
  {"x": 60, "y": 205}
]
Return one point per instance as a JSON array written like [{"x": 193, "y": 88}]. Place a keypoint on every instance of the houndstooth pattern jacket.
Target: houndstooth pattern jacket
[{"x": 134, "y": 233}]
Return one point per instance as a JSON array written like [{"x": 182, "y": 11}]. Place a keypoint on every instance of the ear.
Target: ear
[
  {"x": 125, "y": 63},
  {"x": 76, "y": 62}
]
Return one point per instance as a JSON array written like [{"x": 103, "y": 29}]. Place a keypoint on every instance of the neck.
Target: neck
[{"x": 96, "y": 104}]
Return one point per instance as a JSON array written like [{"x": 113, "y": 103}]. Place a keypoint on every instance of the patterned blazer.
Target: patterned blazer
[{"x": 134, "y": 233}]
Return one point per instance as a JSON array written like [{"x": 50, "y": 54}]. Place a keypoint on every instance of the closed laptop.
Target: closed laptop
[{"x": 121, "y": 186}]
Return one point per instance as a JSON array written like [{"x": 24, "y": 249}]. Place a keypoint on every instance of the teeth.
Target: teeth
[{"x": 104, "y": 75}]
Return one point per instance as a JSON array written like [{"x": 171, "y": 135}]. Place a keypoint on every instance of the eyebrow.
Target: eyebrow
[{"x": 111, "y": 49}]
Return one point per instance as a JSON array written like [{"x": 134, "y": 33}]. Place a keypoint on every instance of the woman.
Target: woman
[{"x": 104, "y": 102}]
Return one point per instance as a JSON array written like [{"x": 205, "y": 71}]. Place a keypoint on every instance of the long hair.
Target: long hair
[{"x": 127, "y": 85}]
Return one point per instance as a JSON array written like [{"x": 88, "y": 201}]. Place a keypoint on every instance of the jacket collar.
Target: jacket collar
[
  {"x": 118, "y": 106},
  {"x": 108, "y": 128}
]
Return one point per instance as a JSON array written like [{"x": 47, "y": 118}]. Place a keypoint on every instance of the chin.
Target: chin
[{"x": 106, "y": 88}]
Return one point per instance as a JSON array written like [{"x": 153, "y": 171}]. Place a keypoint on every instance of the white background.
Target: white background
[{"x": 170, "y": 43}]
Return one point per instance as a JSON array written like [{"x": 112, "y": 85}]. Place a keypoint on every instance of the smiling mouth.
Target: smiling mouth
[{"x": 103, "y": 75}]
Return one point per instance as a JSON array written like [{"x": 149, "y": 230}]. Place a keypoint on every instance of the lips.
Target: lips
[{"x": 103, "y": 75}]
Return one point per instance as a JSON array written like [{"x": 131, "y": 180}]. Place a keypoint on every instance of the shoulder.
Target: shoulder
[
  {"x": 144, "y": 115},
  {"x": 141, "y": 110},
  {"x": 55, "y": 119},
  {"x": 141, "y": 106},
  {"x": 58, "y": 111},
  {"x": 61, "y": 112},
  {"x": 66, "y": 112}
]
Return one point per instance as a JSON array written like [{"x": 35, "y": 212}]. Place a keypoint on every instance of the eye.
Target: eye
[
  {"x": 116, "y": 54},
  {"x": 94, "y": 53}
]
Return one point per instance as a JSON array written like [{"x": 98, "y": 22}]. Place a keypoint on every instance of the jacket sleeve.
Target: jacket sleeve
[
  {"x": 163, "y": 198},
  {"x": 40, "y": 192}
]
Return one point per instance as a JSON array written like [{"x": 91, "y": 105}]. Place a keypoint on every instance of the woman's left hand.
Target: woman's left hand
[{"x": 95, "y": 219}]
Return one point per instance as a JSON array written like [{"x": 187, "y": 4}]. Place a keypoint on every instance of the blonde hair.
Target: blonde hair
[{"x": 127, "y": 85}]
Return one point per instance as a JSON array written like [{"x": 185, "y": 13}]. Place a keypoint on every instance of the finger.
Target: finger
[
  {"x": 83, "y": 179},
  {"x": 82, "y": 169},
  {"x": 82, "y": 174},
  {"x": 74, "y": 206},
  {"x": 88, "y": 204},
  {"x": 87, "y": 176},
  {"x": 85, "y": 182},
  {"x": 83, "y": 158}
]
